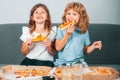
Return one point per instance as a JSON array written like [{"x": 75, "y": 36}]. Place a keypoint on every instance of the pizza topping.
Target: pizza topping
[
  {"x": 22, "y": 73},
  {"x": 58, "y": 71},
  {"x": 33, "y": 72}
]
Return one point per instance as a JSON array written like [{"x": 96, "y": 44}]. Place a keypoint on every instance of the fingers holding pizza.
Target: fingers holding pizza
[{"x": 41, "y": 38}]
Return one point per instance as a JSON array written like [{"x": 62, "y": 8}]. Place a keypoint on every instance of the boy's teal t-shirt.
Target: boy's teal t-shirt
[{"x": 73, "y": 51}]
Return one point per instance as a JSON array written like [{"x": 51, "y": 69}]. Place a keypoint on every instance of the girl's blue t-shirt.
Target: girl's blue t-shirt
[{"x": 73, "y": 51}]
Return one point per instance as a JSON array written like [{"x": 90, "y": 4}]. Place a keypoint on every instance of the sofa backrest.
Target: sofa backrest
[
  {"x": 10, "y": 44},
  {"x": 109, "y": 35}
]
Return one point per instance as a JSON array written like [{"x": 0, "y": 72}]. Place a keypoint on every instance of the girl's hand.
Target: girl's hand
[
  {"x": 47, "y": 42},
  {"x": 29, "y": 44},
  {"x": 97, "y": 44}
]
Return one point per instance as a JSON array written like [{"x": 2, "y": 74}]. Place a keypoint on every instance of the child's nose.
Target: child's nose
[{"x": 71, "y": 18}]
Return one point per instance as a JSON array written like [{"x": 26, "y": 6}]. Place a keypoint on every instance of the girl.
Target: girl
[
  {"x": 75, "y": 38},
  {"x": 38, "y": 53}
]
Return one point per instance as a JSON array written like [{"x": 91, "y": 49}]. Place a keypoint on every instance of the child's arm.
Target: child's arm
[
  {"x": 50, "y": 46},
  {"x": 26, "y": 47},
  {"x": 95, "y": 45},
  {"x": 59, "y": 44},
  {"x": 51, "y": 49}
]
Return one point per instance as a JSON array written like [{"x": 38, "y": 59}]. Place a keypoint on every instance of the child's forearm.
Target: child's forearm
[
  {"x": 59, "y": 44},
  {"x": 51, "y": 49},
  {"x": 24, "y": 49},
  {"x": 89, "y": 49},
  {"x": 96, "y": 44}
]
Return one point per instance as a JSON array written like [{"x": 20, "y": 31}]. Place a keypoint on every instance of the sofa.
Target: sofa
[{"x": 109, "y": 55}]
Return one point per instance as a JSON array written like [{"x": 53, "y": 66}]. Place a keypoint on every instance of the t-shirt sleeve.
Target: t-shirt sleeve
[
  {"x": 87, "y": 39},
  {"x": 52, "y": 34},
  {"x": 25, "y": 33},
  {"x": 59, "y": 34}
]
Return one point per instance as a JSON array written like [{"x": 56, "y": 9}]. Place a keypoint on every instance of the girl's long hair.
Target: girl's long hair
[
  {"x": 80, "y": 9},
  {"x": 31, "y": 24}
]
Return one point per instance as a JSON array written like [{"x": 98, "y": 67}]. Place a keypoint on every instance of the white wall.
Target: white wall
[{"x": 100, "y": 11}]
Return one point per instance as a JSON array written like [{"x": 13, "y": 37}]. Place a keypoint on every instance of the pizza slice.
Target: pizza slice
[
  {"x": 22, "y": 73},
  {"x": 36, "y": 72},
  {"x": 39, "y": 38},
  {"x": 66, "y": 24}
]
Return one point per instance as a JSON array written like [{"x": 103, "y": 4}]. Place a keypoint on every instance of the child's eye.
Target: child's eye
[
  {"x": 68, "y": 13},
  {"x": 43, "y": 12},
  {"x": 36, "y": 12},
  {"x": 74, "y": 14}
]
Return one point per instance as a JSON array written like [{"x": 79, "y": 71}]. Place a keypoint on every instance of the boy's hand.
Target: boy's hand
[
  {"x": 70, "y": 29},
  {"x": 97, "y": 44}
]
